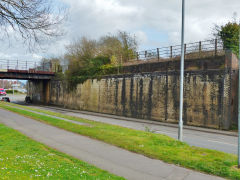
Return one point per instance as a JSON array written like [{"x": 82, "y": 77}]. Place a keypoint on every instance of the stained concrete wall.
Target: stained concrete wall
[
  {"x": 154, "y": 96},
  {"x": 210, "y": 92},
  {"x": 39, "y": 91}
]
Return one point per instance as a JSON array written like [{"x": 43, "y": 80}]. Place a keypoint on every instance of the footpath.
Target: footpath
[{"x": 113, "y": 159}]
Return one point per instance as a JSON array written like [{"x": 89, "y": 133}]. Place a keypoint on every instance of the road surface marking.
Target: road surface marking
[
  {"x": 166, "y": 132},
  {"x": 222, "y": 143}
]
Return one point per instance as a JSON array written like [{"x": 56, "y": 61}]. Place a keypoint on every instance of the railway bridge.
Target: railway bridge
[{"x": 37, "y": 73}]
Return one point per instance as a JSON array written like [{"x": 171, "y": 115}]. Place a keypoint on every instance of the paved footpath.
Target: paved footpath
[{"x": 115, "y": 160}]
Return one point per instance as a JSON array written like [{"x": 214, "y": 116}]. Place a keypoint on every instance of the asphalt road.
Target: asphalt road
[
  {"x": 115, "y": 160},
  {"x": 17, "y": 98},
  {"x": 213, "y": 140}
]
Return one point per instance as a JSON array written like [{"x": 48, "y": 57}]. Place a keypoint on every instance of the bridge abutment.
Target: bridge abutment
[
  {"x": 39, "y": 91},
  {"x": 151, "y": 91}
]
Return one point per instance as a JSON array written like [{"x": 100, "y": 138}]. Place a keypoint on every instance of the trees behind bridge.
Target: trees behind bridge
[
  {"x": 120, "y": 47},
  {"x": 229, "y": 34},
  {"x": 86, "y": 58}
]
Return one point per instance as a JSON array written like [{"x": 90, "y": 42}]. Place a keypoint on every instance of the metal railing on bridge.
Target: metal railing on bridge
[
  {"x": 212, "y": 47},
  {"x": 21, "y": 65},
  {"x": 199, "y": 49}
]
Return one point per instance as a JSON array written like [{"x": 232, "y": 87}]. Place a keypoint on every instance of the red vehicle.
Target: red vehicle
[{"x": 2, "y": 92}]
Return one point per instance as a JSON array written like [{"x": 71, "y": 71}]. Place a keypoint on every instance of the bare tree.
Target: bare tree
[
  {"x": 80, "y": 52},
  {"x": 33, "y": 19},
  {"x": 129, "y": 45},
  {"x": 110, "y": 45},
  {"x": 123, "y": 46}
]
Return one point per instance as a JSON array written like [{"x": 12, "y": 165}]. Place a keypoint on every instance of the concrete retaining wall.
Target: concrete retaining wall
[{"x": 210, "y": 91}]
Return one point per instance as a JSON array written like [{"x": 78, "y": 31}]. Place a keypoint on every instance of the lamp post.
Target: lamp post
[
  {"x": 180, "y": 136},
  {"x": 239, "y": 101}
]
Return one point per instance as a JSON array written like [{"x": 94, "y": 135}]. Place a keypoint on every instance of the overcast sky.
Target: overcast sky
[{"x": 156, "y": 23}]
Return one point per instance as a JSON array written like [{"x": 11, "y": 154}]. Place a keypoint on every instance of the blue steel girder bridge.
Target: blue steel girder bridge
[{"x": 25, "y": 70}]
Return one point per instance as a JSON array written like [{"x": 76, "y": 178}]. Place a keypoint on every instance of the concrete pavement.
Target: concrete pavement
[{"x": 115, "y": 160}]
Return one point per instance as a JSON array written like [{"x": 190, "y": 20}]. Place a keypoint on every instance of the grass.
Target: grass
[
  {"x": 23, "y": 158},
  {"x": 155, "y": 146},
  {"x": 15, "y": 92}
]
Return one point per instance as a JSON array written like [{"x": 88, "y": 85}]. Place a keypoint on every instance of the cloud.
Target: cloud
[
  {"x": 97, "y": 17},
  {"x": 141, "y": 37},
  {"x": 155, "y": 23}
]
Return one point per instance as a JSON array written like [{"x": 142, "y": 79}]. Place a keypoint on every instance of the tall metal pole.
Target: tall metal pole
[
  {"x": 180, "y": 136},
  {"x": 239, "y": 101}
]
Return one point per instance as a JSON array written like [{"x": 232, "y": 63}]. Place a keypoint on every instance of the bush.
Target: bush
[
  {"x": 109, "y": 69},
  {"x": 229, "y": 34},
  {"x": 99, "y": 61},
  {"x": 92, "y": 72},
  {"x": 97, "y": 67},
  {"x": 10, "y": 91}
]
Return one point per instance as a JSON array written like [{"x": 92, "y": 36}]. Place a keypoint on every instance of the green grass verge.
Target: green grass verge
[
  {"x": 15, "y": 92},
  {"x": 23, "y": 158},
  {"x": 151, "y": 145}
]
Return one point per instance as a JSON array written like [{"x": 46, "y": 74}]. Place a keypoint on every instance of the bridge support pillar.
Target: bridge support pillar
[
  {"x": 39, "y": 91},
  {"x": 46, "y": 91}
]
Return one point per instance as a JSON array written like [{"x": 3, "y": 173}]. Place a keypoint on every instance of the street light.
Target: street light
[
  {"x": 180, "y": 136},
  {"x": 239, "y": 101}
]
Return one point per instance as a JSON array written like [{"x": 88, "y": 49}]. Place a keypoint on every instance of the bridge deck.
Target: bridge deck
[{"x": 30, "y": 74}]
